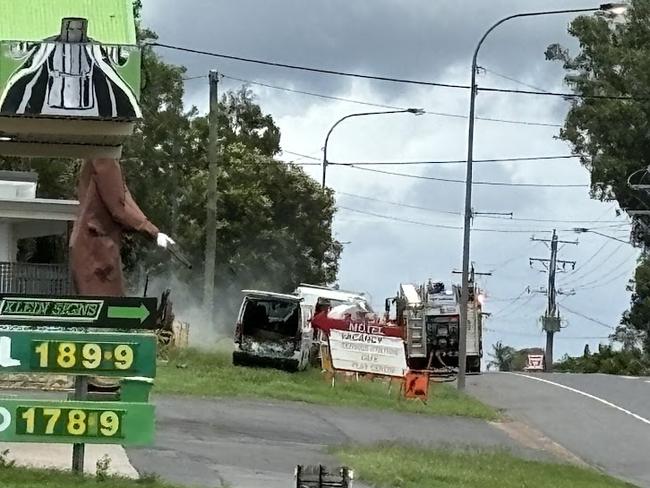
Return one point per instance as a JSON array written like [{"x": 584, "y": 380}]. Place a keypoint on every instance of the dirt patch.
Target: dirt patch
[
  {"x": 36, "y": 382},
  {"x": 534, "y": 439}
]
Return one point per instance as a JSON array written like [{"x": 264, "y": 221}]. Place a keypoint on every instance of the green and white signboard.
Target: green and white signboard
[
  {"x": 79, "y": 336},
  {"x": 76, "y": 422},
  {"x": 96, "y": 312},
  {"x": 75, "y": 353}
]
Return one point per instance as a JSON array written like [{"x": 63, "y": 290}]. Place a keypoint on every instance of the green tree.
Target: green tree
[
  {"x": 502, "y": 356},
  {"x": 607, "y": 360},
  {"x": 635, "y": 326},
  {"x": 611, "y": 135}
]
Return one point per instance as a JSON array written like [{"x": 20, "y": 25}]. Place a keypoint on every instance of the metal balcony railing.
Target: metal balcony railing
[{"x": 36, "y": 279}]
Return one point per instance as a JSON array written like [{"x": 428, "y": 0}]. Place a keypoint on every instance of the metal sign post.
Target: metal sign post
[{"x": 78, "y": 449}]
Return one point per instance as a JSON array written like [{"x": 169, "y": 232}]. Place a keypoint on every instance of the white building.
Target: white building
[{"x": 22, "y": 216}]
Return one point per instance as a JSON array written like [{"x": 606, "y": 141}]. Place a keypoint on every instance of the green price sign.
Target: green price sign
[
  {"x": 78, "y": 353},
  {"x": 76, "y": 422},
  {"x": 60, "y": 422}
]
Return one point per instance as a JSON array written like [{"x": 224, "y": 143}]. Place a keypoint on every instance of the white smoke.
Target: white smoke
[{"x": 205, "y": 332}]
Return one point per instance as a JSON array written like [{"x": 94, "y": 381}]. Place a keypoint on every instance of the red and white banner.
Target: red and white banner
[{"x": 325, "y": 323}]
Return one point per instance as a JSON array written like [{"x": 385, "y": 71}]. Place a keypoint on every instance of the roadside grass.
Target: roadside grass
[
  {"x": 16, "y": 477},
  {"x": 194, "y": 372},
  {"x": 396, "y": 466}
]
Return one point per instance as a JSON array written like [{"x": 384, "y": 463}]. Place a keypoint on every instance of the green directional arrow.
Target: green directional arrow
[{"x": 139, "y": 313}]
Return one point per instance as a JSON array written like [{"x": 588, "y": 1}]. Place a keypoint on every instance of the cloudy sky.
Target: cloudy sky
[{"x": 389, "y": 240}]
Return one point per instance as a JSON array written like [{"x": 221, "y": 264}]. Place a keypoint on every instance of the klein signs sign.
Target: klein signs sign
[
  {"x": 367, "y": 353},
  {"x": 106, "y": 354},
  {"x": 107, "y": 313},
  {"x": 76, "y": 422}
]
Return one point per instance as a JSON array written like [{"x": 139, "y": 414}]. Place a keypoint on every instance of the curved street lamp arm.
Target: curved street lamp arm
[
  {"x": 358, "y": 114},
  {"x": 527, "y": 14},
  {"x": 582, "y": 230}
]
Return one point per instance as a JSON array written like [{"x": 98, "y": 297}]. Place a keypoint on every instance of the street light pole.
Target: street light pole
[
  {"x": 415, "y": 111},
  {"x": 614, "y": 8},
  {"x": 582, "y": 230}
]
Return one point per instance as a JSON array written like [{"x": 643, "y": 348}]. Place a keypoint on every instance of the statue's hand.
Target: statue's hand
[{"x": 164, "y": 241}]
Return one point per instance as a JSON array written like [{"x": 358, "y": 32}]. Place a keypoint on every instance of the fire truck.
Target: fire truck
[{"x": 429, "y": 315}]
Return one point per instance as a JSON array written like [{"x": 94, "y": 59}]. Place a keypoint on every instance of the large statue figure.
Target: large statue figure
[{"x": 107, "y": 209}]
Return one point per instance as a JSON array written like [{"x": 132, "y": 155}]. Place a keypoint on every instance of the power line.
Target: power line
[
  {"x": 563, "y": 95},
  {"x": 576, "y": 279},
  {"x": 511, "y": 259},
  {"x": 444, "y": 226},
  {"x": 590, "y": 259},
  {"x": 509, "y": 299},
  {"x": 512, "y": 302},
  {"x": 397, "y": 219},
  {"x": 198, "y": 77},
  {"x": 294, "y": 161},
  {"x": 590, "y": 319},
  {"x": 190, "y": 160},
  {"x": 458, "y": 213},
  {"x": 436, "y": 226},
  {"x": 524, "y": 303},
  {"x": 447, "y": 161},
  {"x": 611, "y": 280},
  {"x": 302, "y": 155},
  {"x": 515, "y": 80},
  {"x": 398, "y": 204},
  {"x": 308, "y": 68},
  {"x": 562, "y": 221},
  {"x": 606, "y": 275},
  {"x": 452, "y": 180},
  {"x": 322, "y": 95},
  {"x": 511, "y": 332},
  {"x": 385, "y": 78},
  {"x": 457, "y": 161},
  {"x": 381, "y": 105},
  {"x": 524, "y": 334}
]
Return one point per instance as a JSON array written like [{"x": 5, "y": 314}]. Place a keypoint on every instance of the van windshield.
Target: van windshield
[{"x": 270, "y": 318}]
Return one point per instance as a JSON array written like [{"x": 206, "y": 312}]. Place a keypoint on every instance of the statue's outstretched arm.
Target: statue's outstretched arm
[{"x": 118, "y": 200}]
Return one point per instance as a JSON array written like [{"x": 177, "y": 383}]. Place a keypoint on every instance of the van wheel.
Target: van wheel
[{"x": 236, "y": 361}]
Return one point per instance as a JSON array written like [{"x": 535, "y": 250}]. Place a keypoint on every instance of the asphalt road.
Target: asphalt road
[
  {"x": 246, "y": 444},
  {"x": 609, "y": 428}
]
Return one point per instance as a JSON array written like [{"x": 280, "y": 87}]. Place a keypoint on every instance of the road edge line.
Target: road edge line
[{"x": 588, "y": 395}]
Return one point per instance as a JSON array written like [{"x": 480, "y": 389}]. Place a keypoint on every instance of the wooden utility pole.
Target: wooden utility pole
[
  {"x": 551, "y": 319},
  {"x": 211, "y": 217}
]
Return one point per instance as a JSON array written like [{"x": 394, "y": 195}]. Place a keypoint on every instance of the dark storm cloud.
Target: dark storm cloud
[{"x": 419, "y": 39}]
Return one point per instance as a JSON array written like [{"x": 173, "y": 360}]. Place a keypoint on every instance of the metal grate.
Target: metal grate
[
  {"x": 319, "y": 476},
  {"x": 37, "y": 279}
]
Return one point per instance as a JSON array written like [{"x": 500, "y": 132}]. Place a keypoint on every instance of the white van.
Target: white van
[{"x": 273, "y": 329}]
